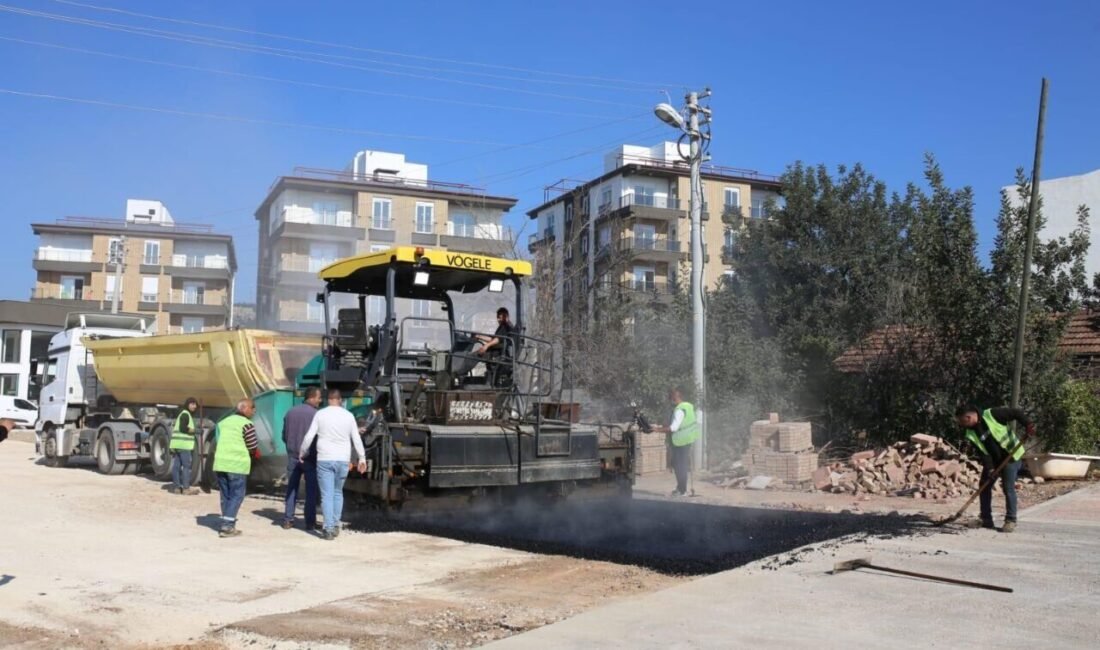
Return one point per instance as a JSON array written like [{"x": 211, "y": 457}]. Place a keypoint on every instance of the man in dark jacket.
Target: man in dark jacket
[
  {"x": 988, "y": 432},
  {"x": 295, "y": 425}
]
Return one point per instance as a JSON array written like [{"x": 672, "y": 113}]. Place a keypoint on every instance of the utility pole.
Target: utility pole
[
  {"x": 1029, "y": 246},
  {"x": 119, "y": 260},
  {"x": 698, "y": 133},
  {"x": 698, "y": 320}
]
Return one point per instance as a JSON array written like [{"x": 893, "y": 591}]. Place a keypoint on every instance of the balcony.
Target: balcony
[
  {"x": 305, "y": 223},
  {"x": 65, "y": 260},
  {"x": 200, "y": 266},
  {"x": 486, "y": 239},
  {"x": 301, "y": 317},
  {"x": 301, "y": 269},
  {"x": 655, "y": 289},
  {"x": 197, "y": 303},
  {"x": 732, "y": 215},
  {"x": 655, "y": 248},
  {"x": 77, "y": 298}
]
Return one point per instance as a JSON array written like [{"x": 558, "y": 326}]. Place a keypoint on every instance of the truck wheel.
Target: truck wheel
[
  {"x": 105, "y": 459},
  {"x": 50, "y": 451},
  {"x": 159, "y": 457},
  {"x": 202, "y": 474}
]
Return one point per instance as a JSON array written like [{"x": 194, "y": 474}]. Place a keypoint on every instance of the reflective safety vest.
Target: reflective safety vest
[
  {"x": 181, "y": 440},
  {"x": 689, "y": 428},
  {"x": 231, "y": 454},
  {"x": 1000, "y": 433}
]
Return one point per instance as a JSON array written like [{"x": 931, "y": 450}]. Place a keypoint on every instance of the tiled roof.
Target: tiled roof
[{"x": 1081, "y": 339}]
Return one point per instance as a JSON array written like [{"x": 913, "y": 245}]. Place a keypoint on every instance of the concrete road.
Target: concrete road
[{"x": 1052, "y": 562}]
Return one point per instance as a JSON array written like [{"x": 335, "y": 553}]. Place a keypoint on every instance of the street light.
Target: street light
[{"x": 699, "y": 142}]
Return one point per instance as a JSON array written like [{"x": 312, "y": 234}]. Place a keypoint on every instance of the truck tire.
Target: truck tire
[
  {"x": 105, "y": 459},
  {"x": 160, "y": 459},
  {"x": 49, "y": 450},
  {"x": 202, "y": 474}
]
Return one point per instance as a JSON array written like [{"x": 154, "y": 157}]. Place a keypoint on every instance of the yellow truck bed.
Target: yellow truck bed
[{"x": 216, "y": 368}]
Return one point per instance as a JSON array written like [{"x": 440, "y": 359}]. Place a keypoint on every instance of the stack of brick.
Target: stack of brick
[
  {"x": 922, "y": 467},
  {"x": 783, "y": 451},
  {"x": 650, "y": 453}
]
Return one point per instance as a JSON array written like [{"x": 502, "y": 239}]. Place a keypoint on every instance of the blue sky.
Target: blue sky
[{"x": 842, "y": 82}]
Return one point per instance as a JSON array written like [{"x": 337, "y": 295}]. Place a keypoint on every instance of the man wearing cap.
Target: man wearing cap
[{"x": 182, "y": 448}]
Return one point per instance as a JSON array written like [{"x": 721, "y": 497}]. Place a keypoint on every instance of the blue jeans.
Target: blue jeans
[
  {"x": 231, "y": 487},
  {"x": 331, "y": 475},
  {"x": 1008, "y": 484},
  {"x": 295, "y": 471},
  {"x": 181, "y": 468}
]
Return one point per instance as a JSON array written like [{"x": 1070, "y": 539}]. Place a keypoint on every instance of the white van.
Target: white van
[{"x": 23, "y": 412}]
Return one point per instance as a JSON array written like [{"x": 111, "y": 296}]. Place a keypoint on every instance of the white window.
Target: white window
[
  {"x": 382, "y": 214},
  {"x": 425, "y": 217},
  {"x": 603, "y": 237},
  {"x": 326, "y": 212},
  {"x": 376, "y": 310},
  {"x": 645, "y": 278},
  {"x": 463, "y": 225},
  {"x": 758, "y": 211},
  {"x": 152, "y": 252},
  {"x": 584, "y": 243},
  {"x": 194, "y": 293},
  {"x": 322, "y": 254},
  {"x": 605, "y": 198},
  {"x": 643, "y": 195},
  {"x": 115, "y": 252},
  {"x": 109, "y": 293},
  {"x": 192, "y": 324},
  {"x": 150, "y": 288},
  {"x": 733, "y": 197},
  {"x": 422, "y": 308},
  {"x": 72, "y": 287},
  {"x": 730, "y": 239},
  {"x": 315, "y": 311},
  {"x": 645, "y": 236}
]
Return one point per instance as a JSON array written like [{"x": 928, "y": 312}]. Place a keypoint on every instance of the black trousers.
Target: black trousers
[{"x": 681, "y": 464}]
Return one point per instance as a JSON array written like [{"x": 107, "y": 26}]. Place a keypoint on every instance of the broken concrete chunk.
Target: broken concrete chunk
[
  {"x": 759, "y": 482},
  {"x": 860, "y": 456},
  {"x": 923, "y": 439},
  {"x": 822, "y": 478}
]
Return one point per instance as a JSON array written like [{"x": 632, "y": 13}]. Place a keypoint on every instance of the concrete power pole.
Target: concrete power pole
[
  {"x": 120, "y": 260},
  {"x": 698, "y": 320}
]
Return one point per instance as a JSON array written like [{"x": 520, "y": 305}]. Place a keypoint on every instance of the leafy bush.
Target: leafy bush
[{"x": 1079, "y": 432}]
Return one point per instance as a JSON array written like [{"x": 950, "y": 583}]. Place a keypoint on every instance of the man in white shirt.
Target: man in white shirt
[{"x": 336, "y": 432}]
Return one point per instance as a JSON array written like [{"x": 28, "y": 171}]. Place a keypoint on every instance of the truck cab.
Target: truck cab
[{"x": 73, "y": 401}]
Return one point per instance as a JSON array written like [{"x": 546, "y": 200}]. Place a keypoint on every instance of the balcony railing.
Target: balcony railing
[
  {"x": 303, "y": 263},
  {"x": 659, "y": 244},
  {"x": 482, "y": 231},
  {"x": 301, "y": 312},
  {"x": 649, "y": 200},
  {"x": 186, "y": 297},
  {"x": 64, "y": 254},
  {"x": 683, "y": 167},
  {"x": 60, "y": 293},
  {"x": 200, "y": 261},
  {"x": 659, "y": 287},
  {"x": 150, "y": 297},
  {"x": 732, "y": 213},
  {"x": 729, "y": 253},
  {"x": 298, "y": 214}
]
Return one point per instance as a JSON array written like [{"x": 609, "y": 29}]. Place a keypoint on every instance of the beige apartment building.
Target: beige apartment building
[
  {"x": 315, "y": 217},
  {"x": 182, "y": 274},
  {"x": 628, "y": 231}
]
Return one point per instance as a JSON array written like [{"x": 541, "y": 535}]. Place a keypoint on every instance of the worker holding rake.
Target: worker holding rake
[{"x": 1000, "y": 450}]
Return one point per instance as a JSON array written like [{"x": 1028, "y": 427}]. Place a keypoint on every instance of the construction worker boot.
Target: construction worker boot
[
  {"x": 980, "y": 523},
  {"x": 229, "y": 532},
  {"x": 1008, "y": 527},
  {"x": 191, "y": 491}
]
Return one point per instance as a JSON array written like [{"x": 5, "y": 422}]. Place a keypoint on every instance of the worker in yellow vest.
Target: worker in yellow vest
[
  {"x": 237, "y": 445},
  {"x": 182, "y": 447},
  {"x": 988, "y": 432},
  {"x": 683, "y": 431}
]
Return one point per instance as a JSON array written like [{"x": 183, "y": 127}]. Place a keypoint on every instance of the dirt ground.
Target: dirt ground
[{"x": 91, "y": 561}]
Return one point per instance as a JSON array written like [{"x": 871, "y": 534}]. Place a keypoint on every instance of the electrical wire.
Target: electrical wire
[
  {"x": 356, "y": 48},
  {"x": 249, "y": 120},
  {"x": 298, "y": 55},
  {"x": 307, "y": 84}
]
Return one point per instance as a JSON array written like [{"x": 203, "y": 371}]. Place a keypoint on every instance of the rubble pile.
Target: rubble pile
[{"x": 922, "y": 467}]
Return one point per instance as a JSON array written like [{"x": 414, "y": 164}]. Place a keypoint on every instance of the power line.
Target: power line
[
  {"x": 309, "y": 57},
  {"x": 356, "y": 48},
  {"x": 307, "y": 84},
  {"x": 244, "y": 120}
]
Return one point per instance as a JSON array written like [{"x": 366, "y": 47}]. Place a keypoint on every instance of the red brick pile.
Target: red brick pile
[{"x": 922, "y": 467}]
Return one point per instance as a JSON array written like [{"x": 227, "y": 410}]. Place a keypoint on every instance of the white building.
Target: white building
[
  {"x": 25, "y": 332},
  {"x": 1061, "y": 198}
]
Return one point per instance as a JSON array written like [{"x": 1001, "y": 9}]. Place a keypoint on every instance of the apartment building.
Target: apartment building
[
  {"x": 628, "y": 231},
  {"x": 181, "y": 274},
  {"x": 315, "y": 217}
]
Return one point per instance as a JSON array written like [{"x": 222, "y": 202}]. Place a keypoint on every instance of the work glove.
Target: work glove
[{"x": 255, "y": 453}]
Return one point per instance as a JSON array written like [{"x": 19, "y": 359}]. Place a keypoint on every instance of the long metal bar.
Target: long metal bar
[
  {"x": 698, "y": 327},
  {"x": 1025, "y": 284}
]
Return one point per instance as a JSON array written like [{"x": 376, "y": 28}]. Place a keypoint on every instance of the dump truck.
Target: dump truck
[{"x": 117, "y": 389}]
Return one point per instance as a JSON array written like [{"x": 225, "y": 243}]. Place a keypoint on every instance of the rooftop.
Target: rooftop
[{"x": 120, "y": 225}]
